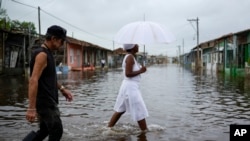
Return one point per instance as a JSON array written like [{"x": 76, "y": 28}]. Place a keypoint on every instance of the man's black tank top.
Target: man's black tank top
[{"x": 47, "y": 94}]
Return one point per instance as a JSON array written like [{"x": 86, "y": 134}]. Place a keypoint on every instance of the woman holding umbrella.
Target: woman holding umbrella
[{"x": 129, "y": 98}]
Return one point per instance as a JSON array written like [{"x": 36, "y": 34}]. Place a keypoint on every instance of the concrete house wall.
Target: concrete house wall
[
  {"x": 229, "y": 53},
  {"x": 82, "y": 55}
]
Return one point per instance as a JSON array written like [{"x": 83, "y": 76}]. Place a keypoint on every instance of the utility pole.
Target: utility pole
[
  {"x": 39, "y": 22},
  {"x": 113, "y": 56},
  {"x": 179, "y": 54},
  {"x": 183, "y": 46},
  {"x": 39, "y": 9},
  {"x": 183, "y": 56},
  {"x": 197, "y": 65}
]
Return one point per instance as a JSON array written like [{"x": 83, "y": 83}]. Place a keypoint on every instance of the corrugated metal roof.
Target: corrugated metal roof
[
  {"x": 84, "y": 43},
  {"x": 243, "y": 31},
  {"x": 70, "y": 39}
]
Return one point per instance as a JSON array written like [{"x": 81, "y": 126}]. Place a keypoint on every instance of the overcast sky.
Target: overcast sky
[{"x": 98, "y": 21}]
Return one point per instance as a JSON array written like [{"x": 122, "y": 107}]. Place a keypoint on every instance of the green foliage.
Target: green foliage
[
  {"x": 3, "y": 13},
  {"x": 4, "y": 19},
  {"x": 15, "y": 25},
  {"x": 4, "y": 23},
  {"x": 23, "y": 26}
]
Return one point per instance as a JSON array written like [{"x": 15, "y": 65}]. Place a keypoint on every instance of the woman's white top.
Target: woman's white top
[{"x": 136, "y": 67}]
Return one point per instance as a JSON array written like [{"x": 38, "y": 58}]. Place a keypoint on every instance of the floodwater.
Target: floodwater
[{"x": 183, "y": 106}]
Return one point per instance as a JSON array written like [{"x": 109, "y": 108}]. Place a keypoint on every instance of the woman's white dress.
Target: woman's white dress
[{"x": 129, "y": 98}]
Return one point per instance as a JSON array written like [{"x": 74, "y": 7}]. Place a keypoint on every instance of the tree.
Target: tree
[
  {"x": 23, "y": 26},
  {"x": 4, "y": 20},
  {"x": 7, "y": 24},
  {"x": 3, "y": 13}
]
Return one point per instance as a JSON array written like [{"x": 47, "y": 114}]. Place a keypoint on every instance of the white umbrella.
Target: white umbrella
[{"x": 143, "y": 32}]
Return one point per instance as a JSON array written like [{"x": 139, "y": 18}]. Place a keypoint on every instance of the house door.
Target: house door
[
  {"x": 78, "y": 56},
  {"x": 241, "y": 56}
]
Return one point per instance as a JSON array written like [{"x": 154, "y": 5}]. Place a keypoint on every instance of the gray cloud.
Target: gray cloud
[{"x": 103, "y": 18}]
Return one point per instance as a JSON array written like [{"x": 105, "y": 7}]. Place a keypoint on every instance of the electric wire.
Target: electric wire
[
  {"x": 73, "y": 25},
  {"x": 89, "y": 33}
]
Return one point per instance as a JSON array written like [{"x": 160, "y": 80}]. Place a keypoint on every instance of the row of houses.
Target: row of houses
[
  {"x": 229, "y": 54},
  {"x": 16, "y": 46},
  {"x": 82, "y": 55},
  {"x": 75, "y": 55}
]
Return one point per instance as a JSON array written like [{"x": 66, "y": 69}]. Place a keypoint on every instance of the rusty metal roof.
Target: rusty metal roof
[{"x": 84, "y": 43}]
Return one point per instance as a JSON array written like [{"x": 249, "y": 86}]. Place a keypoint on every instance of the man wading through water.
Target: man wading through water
[{"x": 43, "y": 88}]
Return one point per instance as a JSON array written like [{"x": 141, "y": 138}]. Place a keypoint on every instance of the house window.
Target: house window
[
  {"x": 209, "y": 58},
  {"x": 78, "y": 56},
  {"x": 71, "y": 55}
]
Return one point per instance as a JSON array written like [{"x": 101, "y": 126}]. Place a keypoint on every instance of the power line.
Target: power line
[
  {"x": 198, "y": 63},
  {"x": 62, "y": 20},
  {"x": 73, "y": 25},
  {"x": 24, "y": 4},
  {"x": 192, "y": 25},
  {"x": 197, "y": 27}
]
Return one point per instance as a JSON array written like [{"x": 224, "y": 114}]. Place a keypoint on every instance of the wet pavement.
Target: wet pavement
[{"x": 183, "y": 106}]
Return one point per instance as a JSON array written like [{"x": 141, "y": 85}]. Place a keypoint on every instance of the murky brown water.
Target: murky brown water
[{"x": 182, "y": 106}]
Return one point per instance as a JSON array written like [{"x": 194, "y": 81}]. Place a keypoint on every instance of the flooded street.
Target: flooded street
[{"x": 182, "y": 106}]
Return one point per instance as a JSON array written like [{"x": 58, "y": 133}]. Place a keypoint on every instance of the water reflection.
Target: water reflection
[
  {"x": 183, "y": 106},
  {"x": 13, "y": 90}
]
